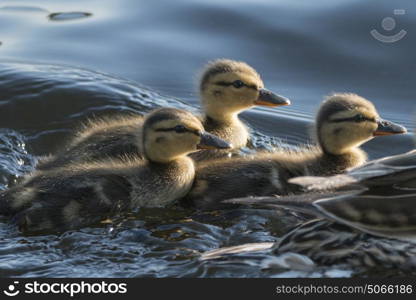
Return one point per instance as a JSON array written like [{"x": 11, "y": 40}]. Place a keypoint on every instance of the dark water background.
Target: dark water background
[{"x": 64, "y": 61}]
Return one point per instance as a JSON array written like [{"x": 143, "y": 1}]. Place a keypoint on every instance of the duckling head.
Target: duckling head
[
  {"x": 228, "y": 87},
  {"x": 346, "y": 121},
  {"x": 170, "y": 133}
]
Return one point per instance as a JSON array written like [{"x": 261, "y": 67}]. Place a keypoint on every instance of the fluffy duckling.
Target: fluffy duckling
[
  {"x": 343, "y": 123},
  {"x": 78, "y": 195},
  {"x": 227, "y": 88}
]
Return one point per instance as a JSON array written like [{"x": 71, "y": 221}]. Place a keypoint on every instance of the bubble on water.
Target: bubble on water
[{"x": 14, "y": 159}]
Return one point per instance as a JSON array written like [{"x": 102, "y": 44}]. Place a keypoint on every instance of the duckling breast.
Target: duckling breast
[{"x": 164, "y": 184}]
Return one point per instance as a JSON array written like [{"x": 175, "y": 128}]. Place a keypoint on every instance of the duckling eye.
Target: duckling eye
[
  {"x": 360, "y": 118},
  {"x": 180, "y": 129},
  {"x": 238, "y": 84}
]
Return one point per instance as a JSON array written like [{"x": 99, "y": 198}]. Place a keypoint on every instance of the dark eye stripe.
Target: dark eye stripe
[
  {"x": 225, "y": 83},
  {"x": 165, "y": 129},
  {"x": 356, "y": 118},
  {"x": 253, "y": 86},
  {"x": 196, "y": 132}
]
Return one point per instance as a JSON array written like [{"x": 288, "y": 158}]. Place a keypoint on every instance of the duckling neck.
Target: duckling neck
[
  {"x": 163, "y": 184},
  {"x": 234, "y": 131},
  {"x": 161, "y": 159},
  {"x": 222, "y": 117},
  {"x": 332, "y": 164},
  {"x": 175, "y": 164}
]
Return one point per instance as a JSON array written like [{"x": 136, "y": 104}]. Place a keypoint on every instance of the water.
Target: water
[{"x": 62, "y": 62}]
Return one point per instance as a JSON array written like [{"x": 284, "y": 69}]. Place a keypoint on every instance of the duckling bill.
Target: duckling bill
[
  {"x": 268, "y": 98},
  {"x": 388, "y": 128},
  {"x": 343, "y": 123},
  {"x": 79, "y": 195}
]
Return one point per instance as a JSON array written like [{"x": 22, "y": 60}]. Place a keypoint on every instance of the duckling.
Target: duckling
[
  {"x": 81, "y": 194},
  {"x": 343, "y": 123},
  {"x": 227, "y": 88}
]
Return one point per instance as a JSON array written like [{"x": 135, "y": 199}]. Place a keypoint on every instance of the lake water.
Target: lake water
[{"x": 64, "y": 61}]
